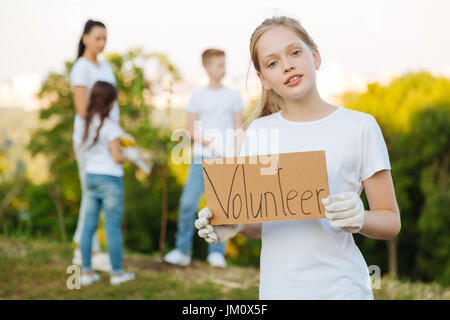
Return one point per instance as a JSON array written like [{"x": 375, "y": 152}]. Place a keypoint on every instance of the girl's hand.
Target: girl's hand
[
  {"x": 345, "y": 210},
  {"x": 217, "y": 233}
]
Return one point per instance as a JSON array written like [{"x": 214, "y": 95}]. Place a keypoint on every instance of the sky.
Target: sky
[{"x": 359, "y": 41}]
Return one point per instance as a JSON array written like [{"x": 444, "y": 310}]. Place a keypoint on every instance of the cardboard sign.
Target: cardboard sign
[{"x": 245, "y": 190}]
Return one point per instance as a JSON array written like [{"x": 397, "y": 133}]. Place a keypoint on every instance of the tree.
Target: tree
[
  {"x": 53, "y": 139},
  {"x": 412, "y": 111}
]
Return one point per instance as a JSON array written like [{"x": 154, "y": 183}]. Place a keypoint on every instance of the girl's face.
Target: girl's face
[
  {"x": 95, "y": 40},
  {"x": 287, "y": 64}
]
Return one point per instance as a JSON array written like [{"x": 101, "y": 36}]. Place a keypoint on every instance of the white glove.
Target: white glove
[
  {"x": 345, "y": 210},
  {"x": 217, "y": 233},
  {"x": 131, "y": 153},
  {"x": 144, "y": 166}
]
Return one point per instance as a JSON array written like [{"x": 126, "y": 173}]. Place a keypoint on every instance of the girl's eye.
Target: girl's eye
[
  {"x": 296, "y": 52},
  {"x": 272, "y": 64}
]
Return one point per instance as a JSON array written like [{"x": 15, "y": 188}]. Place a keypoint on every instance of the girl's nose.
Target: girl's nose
[{"x": 288, "y": 68}]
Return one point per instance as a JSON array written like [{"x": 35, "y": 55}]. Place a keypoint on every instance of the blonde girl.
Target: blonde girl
[{"x": 317, "y": 258}]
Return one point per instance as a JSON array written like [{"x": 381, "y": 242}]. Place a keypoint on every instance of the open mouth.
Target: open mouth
[{"x": 293, "y": 80}]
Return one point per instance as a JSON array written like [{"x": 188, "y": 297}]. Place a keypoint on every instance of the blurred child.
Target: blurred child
[
  {"x": 217, "y": 108},
  {"x": 88, "y": 69},
  {"x": 104, "y": 186}
]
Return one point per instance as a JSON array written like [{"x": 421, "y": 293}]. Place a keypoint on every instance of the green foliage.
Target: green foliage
[
  {"x": 54, "y": 139},
  {"x": 413, "y": 112}
]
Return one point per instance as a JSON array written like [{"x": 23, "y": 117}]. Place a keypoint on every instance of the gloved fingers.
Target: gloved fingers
[
  {"x": 202, "y": 233},
  {"x": 213, "y": 236},
  {"x": 210, "y": 241},
  {"x": 201, "y": 223},
  {"x": 341, "y": 205},
  {"x": 208, "y": 228},
  {"x": 338, "y": 197},
  {"x": 205, "y": 213},
  {"x": 348, "y": 222},
  {"x": 342, "y": 214}
]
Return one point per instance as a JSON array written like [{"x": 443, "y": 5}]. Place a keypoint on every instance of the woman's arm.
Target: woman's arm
[
  {"x": 114, "y": 147},
  {"x": 382, "y": 221},
  {"x": 80, "y": 100},
  {"x": 253, "y": 230}
]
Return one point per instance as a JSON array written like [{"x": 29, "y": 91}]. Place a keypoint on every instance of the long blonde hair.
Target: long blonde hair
[{"x": 270, "y": 101}]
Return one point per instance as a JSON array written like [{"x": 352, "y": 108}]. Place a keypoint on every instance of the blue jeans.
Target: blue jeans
[
  {"x": 103, "y": 191},
  {"x": 192, "y": 192}
]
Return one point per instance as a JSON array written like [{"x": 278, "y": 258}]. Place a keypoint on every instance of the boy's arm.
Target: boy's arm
[
  {"x": 190, "y": 127},
  {"x": 237, "y": 119}
]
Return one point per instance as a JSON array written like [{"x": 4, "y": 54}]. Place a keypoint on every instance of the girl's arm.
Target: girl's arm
[
  {"x": 252, "y": 230},
  {"x": 80, "y": 100},
  {"x": 114, "y": 147},
  {"x": 382, "y": 221},
  {"x": 190, "y": 126}
]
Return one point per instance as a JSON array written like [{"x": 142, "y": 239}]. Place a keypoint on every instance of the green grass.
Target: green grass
[{"x": 36, "y": 269}]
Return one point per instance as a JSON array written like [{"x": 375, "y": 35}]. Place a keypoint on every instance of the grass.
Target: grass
[{"x": 36, "y": 269}]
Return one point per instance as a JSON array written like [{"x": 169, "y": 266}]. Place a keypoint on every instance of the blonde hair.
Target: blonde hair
[
  {"x": 270, "y": 101},
  {"x": 209, "y": 53}
]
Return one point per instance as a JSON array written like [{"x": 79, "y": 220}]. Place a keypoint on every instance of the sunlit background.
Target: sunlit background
[
  {"x": 360, "y": 41},
  {"x": 386, "y": 58}
]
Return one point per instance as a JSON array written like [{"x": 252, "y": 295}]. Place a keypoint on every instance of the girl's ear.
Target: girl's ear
[
  {"x": 264, "y": 82},
  {"x": 317, "y": 59}
]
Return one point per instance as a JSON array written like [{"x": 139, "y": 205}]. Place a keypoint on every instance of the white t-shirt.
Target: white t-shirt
[
  {"x": 309, "y": 259},
  {"x": 215, "y": 109},
  {"x": 85, "y": 73},
  {"x": 98, "y": 158}
]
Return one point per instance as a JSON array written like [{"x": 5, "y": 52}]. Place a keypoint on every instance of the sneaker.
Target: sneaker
[
  {"x": 77, "y": 257},
  {"x": 101, "y": 262},
  {"x": 89, "y": 279},
  {"x": 216, "y": 259},
  {"x": 126, "y": 276},
  {"x": 177, "y": 257}
]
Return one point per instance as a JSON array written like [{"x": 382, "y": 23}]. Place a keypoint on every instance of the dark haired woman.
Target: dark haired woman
[
  {"x": 104, "y": 187},
  {"x": 85, "y": 72}
]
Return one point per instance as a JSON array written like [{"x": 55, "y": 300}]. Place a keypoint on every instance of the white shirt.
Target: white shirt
[
  {"x": 215, "y": 109},
  {"x": 309, "y": 259},
  {"x": 98, "y": 158},
  {"x": 85, "y": 73}
]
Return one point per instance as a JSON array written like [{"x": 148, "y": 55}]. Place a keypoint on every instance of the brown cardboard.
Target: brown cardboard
[{"x": 248, "y": 189}]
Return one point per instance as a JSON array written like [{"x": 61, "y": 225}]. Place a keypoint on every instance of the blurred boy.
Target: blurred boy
[{"x": 217, "y": 109}]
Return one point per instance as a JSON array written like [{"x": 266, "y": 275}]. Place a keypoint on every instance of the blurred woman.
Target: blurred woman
[{"x": 85, "y": 72}]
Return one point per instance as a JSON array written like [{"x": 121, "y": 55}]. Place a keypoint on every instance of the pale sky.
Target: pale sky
[{"x": 355, "y": 38}]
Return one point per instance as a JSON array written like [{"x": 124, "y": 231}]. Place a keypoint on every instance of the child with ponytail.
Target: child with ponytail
[
  {"x": 317, "y": 258},
  {"x": 104, "y": 186}
]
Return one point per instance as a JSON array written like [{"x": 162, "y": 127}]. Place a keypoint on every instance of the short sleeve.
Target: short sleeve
[
  {"x": 113, "y": 130},
  {"x": 375, "y": 156},
  {"x": 237, "y": 103},
  {"x": 79, "y": 75},
  {"x": 193, "y": 105}
]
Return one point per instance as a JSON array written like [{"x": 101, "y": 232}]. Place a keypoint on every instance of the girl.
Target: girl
[
  {"x": 104, "y": 187},
  {"x": 314, "y": 259},
  {"x": 85, "y": 72}
]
